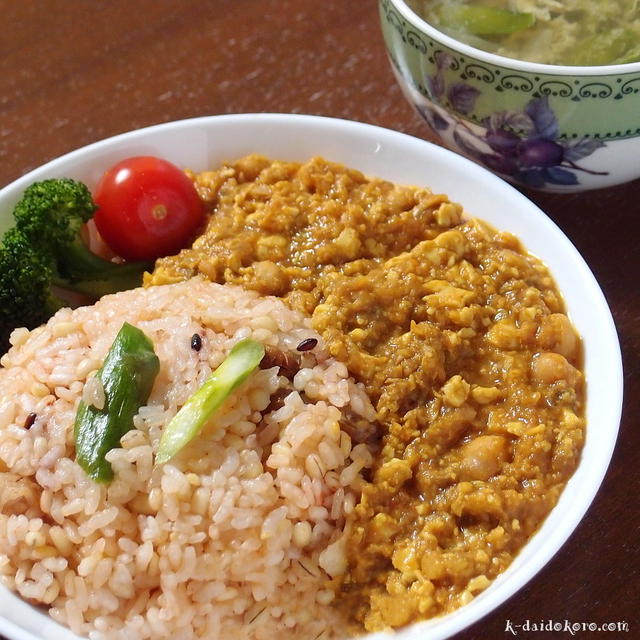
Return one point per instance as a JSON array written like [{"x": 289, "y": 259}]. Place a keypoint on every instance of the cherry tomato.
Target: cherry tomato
[{"x": 147, "y": 208}]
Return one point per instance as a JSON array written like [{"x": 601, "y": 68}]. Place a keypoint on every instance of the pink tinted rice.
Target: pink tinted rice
[{"x": 238, "y": 536}]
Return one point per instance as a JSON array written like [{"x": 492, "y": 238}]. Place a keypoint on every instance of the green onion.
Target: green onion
[
  {"x": 127, "y": 376},
  {"x": 616, "y": 46},
  {"x": 484, "y": 21},
  {"x": 243, "y": 358}
]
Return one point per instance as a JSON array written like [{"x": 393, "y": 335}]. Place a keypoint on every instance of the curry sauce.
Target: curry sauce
[{"x": 461, "y": 340}]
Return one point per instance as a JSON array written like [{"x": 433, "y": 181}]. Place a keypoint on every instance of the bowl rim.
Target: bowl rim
[
  {"x": 511, "y": 63},
  {"x": 445, "y": 626}
]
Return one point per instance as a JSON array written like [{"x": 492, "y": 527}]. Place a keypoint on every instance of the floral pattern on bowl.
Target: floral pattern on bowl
[{"x": 521, "y": 145}]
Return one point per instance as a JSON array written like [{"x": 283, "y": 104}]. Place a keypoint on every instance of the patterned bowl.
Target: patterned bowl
[{"x": 548, "y": 127}]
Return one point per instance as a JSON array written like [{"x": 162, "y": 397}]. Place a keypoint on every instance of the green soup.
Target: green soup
[{"x": 566, "y": 32}]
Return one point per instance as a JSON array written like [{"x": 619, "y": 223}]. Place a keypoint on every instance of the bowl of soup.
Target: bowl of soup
[{"x": 542, "y": 93}]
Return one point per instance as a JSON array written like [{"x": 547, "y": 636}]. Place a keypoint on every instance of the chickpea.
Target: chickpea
[
  {"x": 482, "y": 457},
  {"x": 270, "y": 278},
  {"x": 547, "y": 367},
  {"x": 556, "y": 333},
  {"x": 506, "y": 335}
]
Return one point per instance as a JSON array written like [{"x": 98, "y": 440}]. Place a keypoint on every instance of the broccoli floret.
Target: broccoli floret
[
  {"x": 59, "y": 207},
  {"x": 43, "y": 257},
  {"x": 25, "y": 275}
]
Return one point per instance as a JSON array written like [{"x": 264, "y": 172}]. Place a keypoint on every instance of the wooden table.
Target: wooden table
[{"x": 76, "y": 71}]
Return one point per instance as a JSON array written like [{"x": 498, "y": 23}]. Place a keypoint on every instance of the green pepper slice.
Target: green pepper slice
[{"x": 127, "y": 376}]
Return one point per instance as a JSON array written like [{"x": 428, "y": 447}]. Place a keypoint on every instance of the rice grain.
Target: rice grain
[{"x": 237, "y": 536}]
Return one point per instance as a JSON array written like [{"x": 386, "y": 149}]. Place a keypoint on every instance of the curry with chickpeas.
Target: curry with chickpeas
[{"x": 461, "y": 340}]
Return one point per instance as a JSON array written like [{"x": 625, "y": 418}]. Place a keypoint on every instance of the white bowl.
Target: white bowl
[{"x": 205, "y": 142}]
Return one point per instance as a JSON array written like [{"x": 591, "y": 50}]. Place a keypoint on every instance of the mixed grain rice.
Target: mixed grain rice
[{"x": 238, "y": 536}]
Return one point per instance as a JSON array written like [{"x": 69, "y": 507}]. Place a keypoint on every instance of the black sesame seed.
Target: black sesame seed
[
  {"x": 196, "y": 342},
  {"x": 29, "y": 420},
  {"x": 307, "y": 344}
]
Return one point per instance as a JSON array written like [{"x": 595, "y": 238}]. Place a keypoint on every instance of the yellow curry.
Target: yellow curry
[{"x": 461, "y": 340}]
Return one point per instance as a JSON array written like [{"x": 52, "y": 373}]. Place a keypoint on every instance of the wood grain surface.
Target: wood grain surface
[{"x": 75, "y": 71}]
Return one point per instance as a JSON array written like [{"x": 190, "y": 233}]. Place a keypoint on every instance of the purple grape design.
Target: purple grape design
[{"x": 523, "y": 145}]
